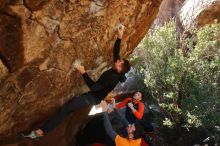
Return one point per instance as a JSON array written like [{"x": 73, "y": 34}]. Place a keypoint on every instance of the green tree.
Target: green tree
[{"x": 183, "y": 74}]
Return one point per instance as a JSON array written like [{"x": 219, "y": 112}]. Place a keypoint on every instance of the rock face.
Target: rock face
[
  {"x": 39, "y": 41},
  {"x": 168, "y": 9},
  {"x": 200, "y": 12}
]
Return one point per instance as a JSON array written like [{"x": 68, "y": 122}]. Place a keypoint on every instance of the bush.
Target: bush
[{"x": 183, "y": 74}]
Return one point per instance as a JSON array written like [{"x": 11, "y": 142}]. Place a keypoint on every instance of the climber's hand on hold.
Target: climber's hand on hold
[
  {"x": 80, "y": 68},
  {"x": 113, "y": 103},
  {"x": 120, "y": 30}
]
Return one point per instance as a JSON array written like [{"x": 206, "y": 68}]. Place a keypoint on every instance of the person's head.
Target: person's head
[
  {"x": 122, "y": 66},
  {"x": 138, "y": 96},
  {"x": 130, "y": 131}
]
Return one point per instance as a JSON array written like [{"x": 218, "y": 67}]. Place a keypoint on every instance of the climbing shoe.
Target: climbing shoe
[{"x": 33, "y": 135}]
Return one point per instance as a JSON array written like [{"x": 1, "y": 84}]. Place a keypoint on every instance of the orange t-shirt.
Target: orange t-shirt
[{"x": 121, "y": 141}]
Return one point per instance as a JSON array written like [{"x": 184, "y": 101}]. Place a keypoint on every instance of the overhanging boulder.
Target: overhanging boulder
[
  {"x": 39, "y": 41},
  {"x": 200, "y": 12}
]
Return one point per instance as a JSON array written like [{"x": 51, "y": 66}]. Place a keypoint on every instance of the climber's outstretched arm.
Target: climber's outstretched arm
[
  {"x": 108, "y": 127},
  {"x": 116, "y": 50},
  {"x": 89, "y": 82}
]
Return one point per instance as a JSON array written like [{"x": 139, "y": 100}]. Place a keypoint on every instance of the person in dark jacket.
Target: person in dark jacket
[{"x": 98, "y": 90}]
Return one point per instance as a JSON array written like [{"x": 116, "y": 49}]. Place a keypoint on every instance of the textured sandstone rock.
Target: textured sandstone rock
[
  {"x": 200, "y": 12},
  {"x": 39, "y": 41},
  {"x": 168, "y": 9},
  {"x": 3, "y": 70}
]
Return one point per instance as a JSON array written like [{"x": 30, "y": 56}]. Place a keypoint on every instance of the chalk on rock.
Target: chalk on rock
[{"x": 119, "y": 25}]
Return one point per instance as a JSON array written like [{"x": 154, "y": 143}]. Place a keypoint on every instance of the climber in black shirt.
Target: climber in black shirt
[{"x": 98, "y": 90}]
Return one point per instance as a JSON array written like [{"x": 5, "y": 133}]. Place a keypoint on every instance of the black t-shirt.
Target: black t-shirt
[{"x": 108, "y": 80}]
